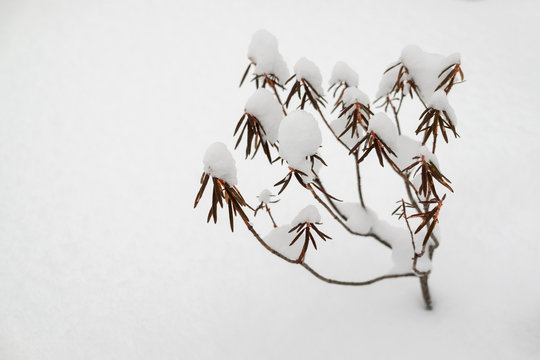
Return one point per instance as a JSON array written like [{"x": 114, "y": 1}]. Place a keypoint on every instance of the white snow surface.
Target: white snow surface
[
  {"x": 299, "y": 138},
  {"x": 105, "y": 114},
  {"x": 264, "y": 106},
  {"x": 342, "y": 72},
  {"x": 218, "y": 162},
  {"x": 263, "y": 51},
  {"x": 307, "y": 70},
  {"x": 307, "y": 214}
]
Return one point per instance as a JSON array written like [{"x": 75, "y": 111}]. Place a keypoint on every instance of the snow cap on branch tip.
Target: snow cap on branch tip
[
  {"x": 385, "y": 129},
  {"x": 299, "y": 137},
  {"x": 263, "y": 51},
  {"x": 265, "y": 196},
  {"x": 307, "y": 70},
  {"x": 263, "y": 105},
  {"x": 342, "y": 72},
  {"x": 308, "y": 214},
  {"x": 439, "y": 101},
  {"x": 353, "y": 95},
  {"x": 425, "y": 69},
  {"x": 219, "y": 163}
]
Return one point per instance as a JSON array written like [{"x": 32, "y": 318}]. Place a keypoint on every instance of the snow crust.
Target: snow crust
[
  {"x": 384, "y": 127},
  {"x": 299, "y": 137},
  {"x": 218, "y": 162},
  {"x": 342, "y": 72},
  {"x": 307, "y": 214},
  {"x": 306, "y": 69},
  {"x": 439, "y": 101},
  {"x": 264, "y": 106},
  {"x": 263, "y": 51}
]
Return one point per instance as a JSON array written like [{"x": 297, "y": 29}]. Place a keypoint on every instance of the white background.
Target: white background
[{"x": 106, "y": 108}]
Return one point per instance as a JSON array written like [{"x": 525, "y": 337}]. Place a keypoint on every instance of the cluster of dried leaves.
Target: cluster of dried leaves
[
  {"x": 305, "y": 229},
  {"x": 223, "y": 193},
  {"x": 255, "y": 136},
  {"x": 306, "y": 93},
  {"x": 372, "y": 141}
]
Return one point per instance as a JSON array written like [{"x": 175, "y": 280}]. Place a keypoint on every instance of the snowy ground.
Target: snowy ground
[{"x": 105, "y": 111}]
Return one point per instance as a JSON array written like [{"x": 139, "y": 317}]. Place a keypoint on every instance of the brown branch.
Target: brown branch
[
  {"x": 331, "y": 130},
  {"x": 329, "y": 199},
  {"x": 352, "y": 283},
  {"x": 358, "y": 179},
  {"x": 315, "y": 273}
]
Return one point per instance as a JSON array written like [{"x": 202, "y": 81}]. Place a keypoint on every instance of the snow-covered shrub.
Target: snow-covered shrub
[{"x": 290, "y": 137}]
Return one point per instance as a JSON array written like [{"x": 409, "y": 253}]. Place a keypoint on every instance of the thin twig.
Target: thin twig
[
  {"x": 329, "y": 199},
  {"x": 358, "y": 179},
  {"x": 270, "y": 214}
]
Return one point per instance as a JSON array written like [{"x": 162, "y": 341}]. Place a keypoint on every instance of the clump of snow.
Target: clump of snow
[
  {"x": 359, "y": 219},
  {"x": 439, "y": 101},
  {"x": 385, "y": 129},
  {"x": 263, "y": 52},
  {"x": 299, "y": 137},
  {"x": 265, "y": 196},
  {"x": 342, "y": 72},
  {"x": 353, "y": 95},
  {"x": 407, "y": 148},
  {"x": 424, "y": 68},
  {"x": 349, "y": 139},
  {"x": 219, "y": 163},
  {"x": 280, "y": 239},
  {"x": 388, "y": 80},
  {"x": 307, "y": 70},
  {"x": 308, "y": 214},
  {"x": 264, "y": 106}
]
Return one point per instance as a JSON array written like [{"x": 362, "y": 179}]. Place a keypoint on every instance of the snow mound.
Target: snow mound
[
  {"x": 342, "y": 72},
  {"x": 307, "y": 70},
  {"x": 219, "y": 163},
  {"x": 265, "y": 107}
]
